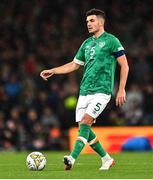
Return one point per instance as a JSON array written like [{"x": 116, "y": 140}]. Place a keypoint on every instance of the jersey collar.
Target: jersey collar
[{"x": 94, "y": 37}]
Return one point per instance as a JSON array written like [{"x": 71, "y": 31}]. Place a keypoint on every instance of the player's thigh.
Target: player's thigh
[
  {"x": 81, "y": 108},
  {"x": 97, "y": 104}
]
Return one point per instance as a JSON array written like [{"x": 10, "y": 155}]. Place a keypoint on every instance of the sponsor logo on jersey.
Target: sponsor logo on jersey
[{"x": 87, "y": 47}]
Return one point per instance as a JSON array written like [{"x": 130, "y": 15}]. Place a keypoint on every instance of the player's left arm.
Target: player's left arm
[{"x": 121, "y": 94}]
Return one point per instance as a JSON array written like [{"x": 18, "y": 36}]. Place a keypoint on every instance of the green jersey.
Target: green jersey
[{"x": 98, "y": 57}]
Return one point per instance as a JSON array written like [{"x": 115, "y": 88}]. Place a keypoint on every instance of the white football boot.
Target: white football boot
[
  {"x": 68, "y": 162},
  {"x": 107, "y": 162}
]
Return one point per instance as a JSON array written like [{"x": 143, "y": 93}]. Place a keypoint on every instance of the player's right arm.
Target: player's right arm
[{"x": 64, "y": 69}]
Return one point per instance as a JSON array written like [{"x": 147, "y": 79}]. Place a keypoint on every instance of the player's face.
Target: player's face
[{"x": 94, "y": 23}]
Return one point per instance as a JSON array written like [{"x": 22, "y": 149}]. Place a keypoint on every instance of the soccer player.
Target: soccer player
[{"x": 98, "y": 54}]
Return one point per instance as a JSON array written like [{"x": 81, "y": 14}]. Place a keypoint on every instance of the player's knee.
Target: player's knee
[{"x": 87, "y": 120}]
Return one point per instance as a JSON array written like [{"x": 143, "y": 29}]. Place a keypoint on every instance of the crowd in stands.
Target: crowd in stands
[{"x": 41, "y": 34}]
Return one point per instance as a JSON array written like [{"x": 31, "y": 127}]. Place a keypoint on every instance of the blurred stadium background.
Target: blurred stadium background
[{"x": 39, "y": 34}]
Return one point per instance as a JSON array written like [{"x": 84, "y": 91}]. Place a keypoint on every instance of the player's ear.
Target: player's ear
[{"x": 101, "y": 21}]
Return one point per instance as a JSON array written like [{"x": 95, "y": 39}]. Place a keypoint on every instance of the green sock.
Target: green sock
[
  {"x": 96, "y": 146},
  {"x": 80, "y": 143}
]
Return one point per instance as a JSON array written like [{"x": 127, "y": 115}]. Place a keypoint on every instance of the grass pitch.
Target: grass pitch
[{"x": 128, "y": 166}]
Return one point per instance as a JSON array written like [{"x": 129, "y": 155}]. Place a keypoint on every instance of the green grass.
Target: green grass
[{"x": 128, "y": 166}]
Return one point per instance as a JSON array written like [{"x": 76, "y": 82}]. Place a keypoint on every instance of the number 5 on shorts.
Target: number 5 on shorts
[{"x": 97, "y": 108}]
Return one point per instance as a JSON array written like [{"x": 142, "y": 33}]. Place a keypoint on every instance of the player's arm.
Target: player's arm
[
  {"x": 64, "y": 69},
  {"x": 121, "y": 94}
]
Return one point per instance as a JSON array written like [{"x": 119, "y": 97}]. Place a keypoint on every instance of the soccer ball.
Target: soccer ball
[{"x": 36, "y": 161}]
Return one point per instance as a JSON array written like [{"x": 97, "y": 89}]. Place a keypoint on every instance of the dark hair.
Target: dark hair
[{"x": 96, "y": 12}]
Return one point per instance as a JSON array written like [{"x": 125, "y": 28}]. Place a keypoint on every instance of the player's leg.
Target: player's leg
[
  {"x": 92, "y": 105},
  {"x": 94, "y": 143},
  {"x": 97, "y": 104},
  {"x": 83, "y": 135}
]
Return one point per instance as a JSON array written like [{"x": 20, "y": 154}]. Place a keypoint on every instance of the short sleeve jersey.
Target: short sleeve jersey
[{"x": 97, "y": 57}]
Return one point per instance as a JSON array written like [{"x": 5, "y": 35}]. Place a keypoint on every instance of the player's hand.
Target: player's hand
[
  {"x": 121, "y": 97},
  {"x": 45, "y": 74}
]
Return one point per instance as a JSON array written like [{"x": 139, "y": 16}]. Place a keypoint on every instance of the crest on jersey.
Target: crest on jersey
[{"x": 101, "y": 44}]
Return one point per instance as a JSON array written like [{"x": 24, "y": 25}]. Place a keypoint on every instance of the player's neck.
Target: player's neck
[{"x": 99, "y": 33}]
